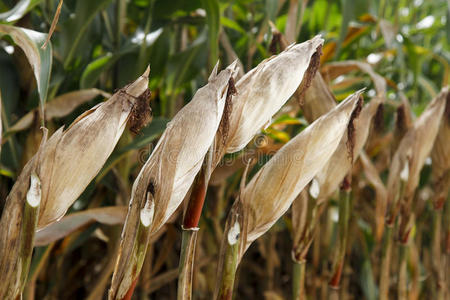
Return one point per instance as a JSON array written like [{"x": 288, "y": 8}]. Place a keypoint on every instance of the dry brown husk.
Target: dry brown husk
[
  {"x": 318, "y": 99},
  {"x": 273, "y": 189},
  {"x": 414, "y": 148},
  {"x": 172, "y": 167},
  {"x": 440, "y": 156},
  {"x": 65, "y": 164},
  {"x": 262, "y": 92},
  {"x": 341, "y": 162},
  {"x": 375, "y": 181}
]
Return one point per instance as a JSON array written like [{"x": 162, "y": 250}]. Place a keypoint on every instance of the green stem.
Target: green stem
[
  {"x": 386, "y": 264},
  {"x": 344, "y": 216},
  {"x": 186, "y": 266},
  {"x": 143, "y": 48},
  {"x": 402, "y": 276},
  {"x": 229, "y": 271},
  {"x": 298, "y": 284},
  {"x": 190, "y": 229},
  {"x": 138, "y": 253},
  {"x": 229, "y": 254},
  {"x": 26, "y": 248},
  {"x": 29, "y": 223},
  {"x": 436, "y": 250}
]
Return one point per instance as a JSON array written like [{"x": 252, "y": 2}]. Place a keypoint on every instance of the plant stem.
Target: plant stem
[
  {"x": 190, "y": 229},
  {"x": 402, "y": 278},
  {"x": 29, "y": 223},
  {"x": 387, "y": 248},
  {"x": 229, "y": 271},
  {"x": 344, "y": 216},
  {"x": 139, "y": 249},
  {"x": 298, "y": 284},
  {"x": 386, "y": 263},
  {"x": 229, "y": 253},
  {"x": 196, "y": 200},
  {"x": 189, "y": 240}
]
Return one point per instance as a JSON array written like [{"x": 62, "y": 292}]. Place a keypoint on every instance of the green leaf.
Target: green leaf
[
  {"x": 75, "y": 27},
  {"x": 271, "y": 9},
  {"x": 40, "y": 59},
  {"x": 213, "y": 21},
  {"x": 18, "y": 11},
  {"x": 185, "y": 65},
  {"x": 232, "y": 24},
  {"x": 95, "y": 68}
]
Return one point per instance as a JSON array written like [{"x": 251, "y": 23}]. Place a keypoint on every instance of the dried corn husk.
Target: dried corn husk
[
  {"x": 341, "y": 162},
  {"x": 441, "y": 156},
  {"x": 375, "y": 181},
  {"x": 273, "y": 189},
  {"x": 263, "y": 90},
  {"x": 172, "y": 167},
  {"x": 72, "y": 158},
  {"x": 403, "y": 122},
  {"x": 318, "y": 99},
  {"x": 67, "y": 162},
  {"x": 410, "y": 156}
]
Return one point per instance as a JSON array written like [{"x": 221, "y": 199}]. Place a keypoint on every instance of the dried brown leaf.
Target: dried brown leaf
[
  {"x": 106, "y": 215},
  {"x": 414, "y": 148},
  {"x": 59, "y": 107}
]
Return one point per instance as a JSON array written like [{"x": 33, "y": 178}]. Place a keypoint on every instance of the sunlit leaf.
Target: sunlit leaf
[{"x": 40, "y": 59}]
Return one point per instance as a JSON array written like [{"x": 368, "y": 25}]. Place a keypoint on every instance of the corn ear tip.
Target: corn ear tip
[
  {"x": 214, "y": 71},
  {"x": 234, "y": 68},
  {"x": 147, "y": 72}
]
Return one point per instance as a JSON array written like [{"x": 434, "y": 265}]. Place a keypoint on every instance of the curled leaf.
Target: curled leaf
[{"x": 40, "y": 59}]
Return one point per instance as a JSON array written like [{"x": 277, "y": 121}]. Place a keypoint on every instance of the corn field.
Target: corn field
[{"x": 211, "y": 149}]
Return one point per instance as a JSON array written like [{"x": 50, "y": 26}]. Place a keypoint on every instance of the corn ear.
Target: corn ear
[
  {"x": 171, "y": 169},
  {"x": 273, "y": 189}
]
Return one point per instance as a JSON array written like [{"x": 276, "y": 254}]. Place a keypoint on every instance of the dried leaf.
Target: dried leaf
[
  {"x": 374, "y": 179},
  {"x": 106, "y": 215},
  {"x": 40, "y": 60},
  {"x": 318, "y": 99},
  {"x": 414, "y": 148},
  {"x": 59, "y": 107},
  {"x": 333, "y": 70},
  {"x": 441, "y": 149}
]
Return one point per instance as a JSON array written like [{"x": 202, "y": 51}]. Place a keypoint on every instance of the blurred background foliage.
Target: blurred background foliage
[{"x": 106, "y": 44}]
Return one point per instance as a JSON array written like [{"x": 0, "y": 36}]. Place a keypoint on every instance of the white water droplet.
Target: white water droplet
[
  {"x": 147, "y": 213},
  {"x": 9, "y": 49},
  {"x": 404, "y": 174},
  {"x": 425, "y": 23},
  {"x": 234, "y": 233},
  {"x": 34, "y": 192},
  {"x": 374, "y": 58},
  {"x": 314, "y": 189}
]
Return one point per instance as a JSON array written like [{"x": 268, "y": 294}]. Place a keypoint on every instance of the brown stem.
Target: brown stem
[{"x": 196, "y": 201}]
